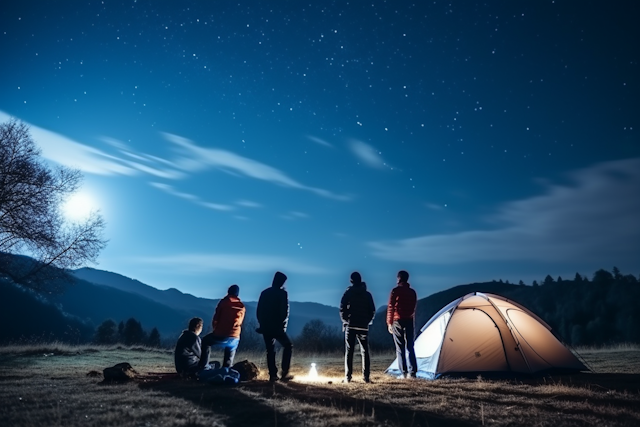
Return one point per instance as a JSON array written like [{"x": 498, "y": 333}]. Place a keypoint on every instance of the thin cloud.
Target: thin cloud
[
  {"x": 190, "y": 197},
  {"x": 594, "y": 219},
  {"x": 367, "y": 154},
  {"x": 434, "y": 207},
  {"x": 294, "y": 215},
  {"x": 248, "y": 204},
  {"x": 160, "y": 173},
  {"x": 146, "y": 158},
  {"x": 198, "y": 263},
  {"x": 319, "y": 141},
  {"x": 196, "y": 158},
  {"x": 67, "y": 152}
]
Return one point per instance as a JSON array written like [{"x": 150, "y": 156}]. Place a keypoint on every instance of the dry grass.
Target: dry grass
[{"x": 47, "y": 385}]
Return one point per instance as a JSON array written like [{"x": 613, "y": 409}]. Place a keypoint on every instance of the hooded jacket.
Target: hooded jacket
[
  {"x": 273, "y": 307},
  {"x": 357, "y": 309},
  {"x": 187, "y": 352},
  {"x": 228, "y": 317},
  {"x": 402, "y": 303}
]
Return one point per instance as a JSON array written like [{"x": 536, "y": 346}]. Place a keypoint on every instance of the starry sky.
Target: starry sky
[{"x": 224, "y": 140}]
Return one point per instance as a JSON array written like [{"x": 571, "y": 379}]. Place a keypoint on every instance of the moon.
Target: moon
[{"x": 79, "y": 206}]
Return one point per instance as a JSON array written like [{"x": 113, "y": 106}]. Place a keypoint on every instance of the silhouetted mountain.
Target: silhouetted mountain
[
  {"x": 300, "y": 312},
  {"x": 26, "y": 317},
  {"x": 96, "y": 303},
  {"x": 580, "y": 311},
  {"x": 170, "y": 297}
]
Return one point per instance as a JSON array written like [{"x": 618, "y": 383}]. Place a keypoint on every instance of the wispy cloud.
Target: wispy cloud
[
  {"x": 593, "y": 219},
  {"x": 295, "y": 215},
  {"x": 67, "y": 152},
  {"x": 126, "y": 160},
  {"x": 248, "y": 204},
  {"x": 190, "y": 197},
  {"x": 319, "y": 141},
  {"x": 434, "y": 207},
  {"x": 198, "y": 263},
  {"x": 196, "y": 158},
  {"x": 367, "y": 154}
]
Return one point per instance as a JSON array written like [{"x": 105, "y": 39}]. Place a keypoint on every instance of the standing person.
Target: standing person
[
  {"x": 357, "y": 311},
  {"x": 273, "y": 316},
  {"x": 401, "y": 313},
  {"x": 188, "y": 348},
  {"x": 227, "y": 323}
]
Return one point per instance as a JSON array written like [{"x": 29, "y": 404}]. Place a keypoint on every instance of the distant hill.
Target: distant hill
[
  {"x": 96, "y": 303},
  {"x": 97, "y": 295},
  {"x": 25, "y": 316},
  {"x": 583, "y": 312},
  {"x": 300, "y": 312},
  {"x": 171, "y": 297}
]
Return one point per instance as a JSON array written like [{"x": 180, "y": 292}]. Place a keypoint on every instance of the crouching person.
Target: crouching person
[
  {"x": 227, "y": 323},
  {"x": 188, "y": 349}
]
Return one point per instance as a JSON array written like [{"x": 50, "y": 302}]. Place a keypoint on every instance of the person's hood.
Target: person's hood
[
  {"x": 278, "y": 280},
  {"x": 405, "y": 284},
  {"x": 359, "y": 286}
]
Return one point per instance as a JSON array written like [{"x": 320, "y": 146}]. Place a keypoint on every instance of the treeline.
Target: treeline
[
  {"x": 599, "y": 311},
  {"x": 127, "y": 333},
  {"x": 582, "y": 311}
]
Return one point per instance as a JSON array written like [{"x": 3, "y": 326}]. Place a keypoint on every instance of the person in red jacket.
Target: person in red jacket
[
  {"x": 401, "y": 313},
  {"x": 226, "y": 323}
]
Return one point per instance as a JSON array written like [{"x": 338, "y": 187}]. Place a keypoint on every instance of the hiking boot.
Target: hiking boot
[
  {"x": 346, "y": 380},
  {"x": 273, "y": 379},
  {"x": 412, "y": 375},
  {"x": 367, "y": 380},
  {"x": 286, "y": 378}
]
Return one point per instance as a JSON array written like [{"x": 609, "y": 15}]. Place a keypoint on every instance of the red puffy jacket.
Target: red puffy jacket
[
  {"x": 228, "y": 317},
  {"x": 402, "y": 303}
]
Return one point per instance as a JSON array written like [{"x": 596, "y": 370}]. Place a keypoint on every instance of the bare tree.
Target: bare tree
[{"x": 31, "y": 221}]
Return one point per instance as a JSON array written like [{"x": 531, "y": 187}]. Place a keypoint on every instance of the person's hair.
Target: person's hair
[
  {"x": 194, "y": 323},
  {"x": 403, "y": 275}
]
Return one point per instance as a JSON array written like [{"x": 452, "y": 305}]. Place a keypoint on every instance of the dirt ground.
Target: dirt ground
[{"x": 49, "y": 386}]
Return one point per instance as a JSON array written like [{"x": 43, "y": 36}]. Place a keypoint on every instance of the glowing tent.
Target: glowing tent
[{"x": 488, "y": 334}]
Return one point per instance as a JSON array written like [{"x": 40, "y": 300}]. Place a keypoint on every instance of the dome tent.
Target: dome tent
[{"x": 488, "y": 334}]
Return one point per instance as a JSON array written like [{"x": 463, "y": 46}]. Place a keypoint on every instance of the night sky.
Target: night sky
[{"x": 223, "y": 141}]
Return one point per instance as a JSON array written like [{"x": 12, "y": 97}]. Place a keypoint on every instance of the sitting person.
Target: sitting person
[
  {"x": 227, "y": 323},
  {"x": 188, "y": 349}
]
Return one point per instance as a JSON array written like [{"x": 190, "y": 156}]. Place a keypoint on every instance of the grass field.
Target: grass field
[{"x": 47, "y": 385}]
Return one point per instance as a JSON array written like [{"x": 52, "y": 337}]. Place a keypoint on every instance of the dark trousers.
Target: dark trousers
[
  {"x": 229, "y": 344},
  {"x": 350, "y": 337},
  {"x": 403, "y": 336},
  {"x": 287, "y": 349}
]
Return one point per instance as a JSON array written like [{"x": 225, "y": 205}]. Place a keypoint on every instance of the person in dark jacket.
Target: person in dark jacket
[
  {"x": 357, "y": 311},
  {"x": 273, "y": 316},
  {"x": 187, "y": 351},
  {"x": 401, "y": 313},
  {"x": 226, "y": 323}
]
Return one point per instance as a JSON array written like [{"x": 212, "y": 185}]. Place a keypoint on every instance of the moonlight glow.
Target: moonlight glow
[{"x": 79, "y": 206}]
